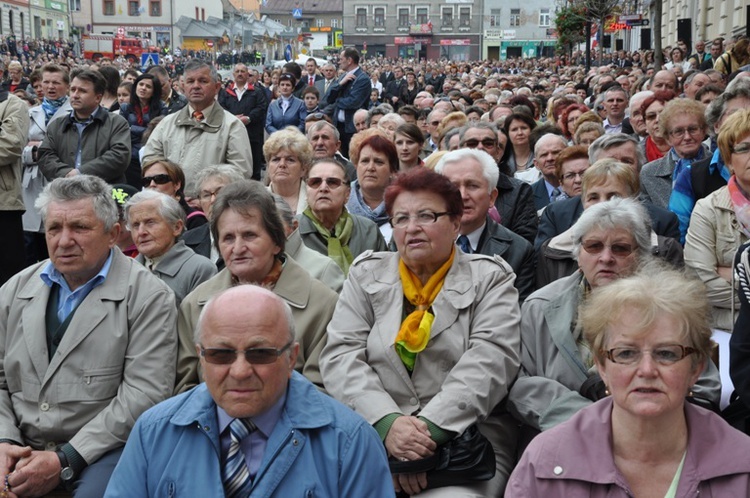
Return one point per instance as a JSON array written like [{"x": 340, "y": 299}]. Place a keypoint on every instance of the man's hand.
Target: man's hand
[
  {"x": 10, "y": 454},
  {"x": 245, "y": 120},
  {"x": 346, "y": 79},
  {"x": 72, "y": 172},
  {"x": 409, "y": 439},
  {"x": 36, "y": 475}
]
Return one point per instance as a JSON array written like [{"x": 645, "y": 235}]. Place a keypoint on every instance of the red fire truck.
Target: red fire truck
[{"x": 97, "y": 46}]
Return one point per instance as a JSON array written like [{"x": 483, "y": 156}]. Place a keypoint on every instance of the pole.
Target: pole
[{"x": 588, "y": 45}]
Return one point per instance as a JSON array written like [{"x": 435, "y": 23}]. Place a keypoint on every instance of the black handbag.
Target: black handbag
[{"x": 465, "y": 459}]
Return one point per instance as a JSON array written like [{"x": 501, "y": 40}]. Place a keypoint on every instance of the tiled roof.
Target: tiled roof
[{"x": 307, "y": 6}]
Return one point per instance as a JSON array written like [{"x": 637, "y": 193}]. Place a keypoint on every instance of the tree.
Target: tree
[
  {"x": 597, "y": 11},
  {"x": 570, "y": 23}
]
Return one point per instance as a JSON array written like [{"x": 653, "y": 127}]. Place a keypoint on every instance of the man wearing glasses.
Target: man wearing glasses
[{"x": 256, "y": 427}]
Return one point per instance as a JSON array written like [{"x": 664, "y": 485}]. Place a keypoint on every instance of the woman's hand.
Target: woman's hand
[
  {"x": 411, "y": 484},
  {"x": 409, "y": 439},
  {"x": 725, "y": 272}
]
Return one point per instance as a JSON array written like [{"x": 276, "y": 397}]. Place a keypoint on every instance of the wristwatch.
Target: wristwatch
[{"x": 67, "y": 473}]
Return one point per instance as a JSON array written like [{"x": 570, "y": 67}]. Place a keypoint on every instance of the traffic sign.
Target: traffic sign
[
  {"x": 288, "y": 53},
  {"x": 297, "y": 13},
  {"x": 148, "y": 60},
  {"x": 641, "y": 22}
]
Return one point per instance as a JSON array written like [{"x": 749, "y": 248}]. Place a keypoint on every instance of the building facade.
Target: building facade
[
  {"x": 14, "y": 19},
  {"x": 708, "y": 19},
  {"x": 49, "y": 19},
  {"x": 447, "y": 29},
  {"x": 518, "y": 28},
  {"x": 320, "y": 22}
]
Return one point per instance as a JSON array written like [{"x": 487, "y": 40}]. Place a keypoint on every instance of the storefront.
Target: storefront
[
  {"x": 411, "y": 47},
  {"x": 456, "y": 49},
  {"x": 49, "y": 19},
  {"x": 510, "y": 49}
]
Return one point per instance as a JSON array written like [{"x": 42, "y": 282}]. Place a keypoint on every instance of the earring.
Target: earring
[
  {"x": 690, "y": 394},
  {"x": 606, "y": 391}
]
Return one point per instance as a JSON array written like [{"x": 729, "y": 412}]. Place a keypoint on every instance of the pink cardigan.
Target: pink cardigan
[{"x": 575, "y": 459}]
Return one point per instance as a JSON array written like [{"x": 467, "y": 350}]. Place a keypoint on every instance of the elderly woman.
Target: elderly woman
[
  {"x": 287, "y": 110},
  {"x": 250, "y": 236},
  {"x": 288, "y": 156},
  {"x": 209, "y": 182},
  {"x": 155, "y": 222},
  {"x": 409, "y": 141},
  {"x": 568, "y": 120},
  {"x": 720, "y": 223},
  {"x": 587, "y": 133},
  {"x": 656, "y": 144},
  {"x": 389, "y": 122},
  {"x": 376, "y": 161},
  {"x": 16, "y": 79},
  {"x": 327, "y": 226},
  {"x": 610, "y": 240},
  {"x": 168, "y": 178},
  {"x": 649, "y": 346},
  {"x": 604, "y": 180},
  {"x": 683, "y": 124},
  {"x": 519, "y": 155},
  {"x": 422, "y": 382}
]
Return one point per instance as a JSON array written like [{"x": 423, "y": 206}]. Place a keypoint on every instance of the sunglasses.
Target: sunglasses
[
  {"x": 597, "y": 246},
  {"x": 332, "y": 182},
  {"x": 472, "y": 143},
  {"x": 254, "y": 356},
  {"x": 161, "y": 179}
]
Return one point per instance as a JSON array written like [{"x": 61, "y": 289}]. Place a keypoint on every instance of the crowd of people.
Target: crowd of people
[{"x": 375, "y": 277}]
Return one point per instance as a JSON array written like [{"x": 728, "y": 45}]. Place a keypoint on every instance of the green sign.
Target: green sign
[{"x": 56, "y": 5}]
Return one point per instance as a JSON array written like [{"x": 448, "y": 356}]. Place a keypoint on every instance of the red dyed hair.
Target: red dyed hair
[{"x": 425, "y": 180}]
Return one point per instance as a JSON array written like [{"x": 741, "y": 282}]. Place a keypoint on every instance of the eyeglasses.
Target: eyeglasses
[
  {"x": 741, "y": 148},
  {"x": 651, "y": 116},
  {"x": 573, "y": 175},
  {"x": 472, "y": 143},
  {"x": 206, "y": 195},
  {"x": 691, "y": 130},
  {"x": 161, "y": 179},
  {"x": 254, "y": 356},
  {"x": 332, "y": 182},
  {"x": 663, "y": 355},
  {"x": 597, "y": 246},
  {"x": 422, "y": 218}
]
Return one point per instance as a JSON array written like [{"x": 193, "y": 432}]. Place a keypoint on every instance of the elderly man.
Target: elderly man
[
  {"x": 172, "y": 100},
  {"x": 202, "y": 132},
  {"x": 323, "y": 84},
  {"x": 560, "y": 216},
  {"x": 90, "y": 140},
  {"x": 250, "y": 105},
  {"x": 324, "y": 138},
  {"x": 256, "y": 427},
  {"x": 156, "y": 222},
  {"x": 360, "y": 120},
  {"x": 664, "y": 80},
  {"x": 547, "y": 188},
  {"x": 515, "y": 201},
  {"x": 89, "y": 344},
  {"x": 475, "y": 174},
  {"x": 637, "y": 121}
]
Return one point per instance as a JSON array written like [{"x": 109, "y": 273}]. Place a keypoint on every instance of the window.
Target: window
[
  {"x": 379, "y": 17},
  {"x": 544, "y": 19},
  {"x": 494, "y": 17},
  {"x": 464, "y": 18},
  {"x": 334, "y": 23},
  {"x": 361, "y": 18},
  {"x": 74, "y": 5},
  {"x": 447, "y": 17},
  {"x": 403, "y": 17},
  {"x": 109, "y": 7},
  {"x": 423, "y": 15},
  {"x": 515, "y": 17},
  {"x": 133, "y": 7},
  {"x": 155, "y": 8}
]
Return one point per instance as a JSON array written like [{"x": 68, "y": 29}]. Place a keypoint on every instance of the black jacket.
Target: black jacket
[
  {"x": 515, "y": 203},
  {"x": 561, "y": 215},
  {"x": 515, "y": 250},
  {"x": 253, "y": 105}
]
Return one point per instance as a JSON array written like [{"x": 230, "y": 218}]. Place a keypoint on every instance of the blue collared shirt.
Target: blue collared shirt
[
  {"x": 68, "y": 299},
  {"x": 254, "y": 445}
]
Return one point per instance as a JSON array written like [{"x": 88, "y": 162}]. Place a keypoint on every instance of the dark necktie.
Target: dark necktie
[
  {"x": 555, "y": 194},
  {"x": 235, "y": 474},
  {"x": 464, "y": 244}
]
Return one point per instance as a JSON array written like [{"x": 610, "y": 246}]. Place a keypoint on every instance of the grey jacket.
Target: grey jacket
[
  {"x": 182, "y": 270},
  {"x": 552, "y": 370},
  {"x": 318, "y": 266},
  {"x": 14, "y": 129},
  {"x": 115, "y": 361},
  {"x": 105, "y": 147},
  {"x": 365, "y": 236}
]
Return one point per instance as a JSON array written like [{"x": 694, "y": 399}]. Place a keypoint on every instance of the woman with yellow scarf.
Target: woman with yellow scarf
[
  {"x": 424, "y": 343},
  {"x": 326, "y": 226}
]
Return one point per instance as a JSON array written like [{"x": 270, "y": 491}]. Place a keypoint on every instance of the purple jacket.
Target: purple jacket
[{"x": 575, "y": 459}]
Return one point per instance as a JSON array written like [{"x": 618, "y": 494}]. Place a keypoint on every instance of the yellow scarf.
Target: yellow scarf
[{"x": 414, "y": 334}]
